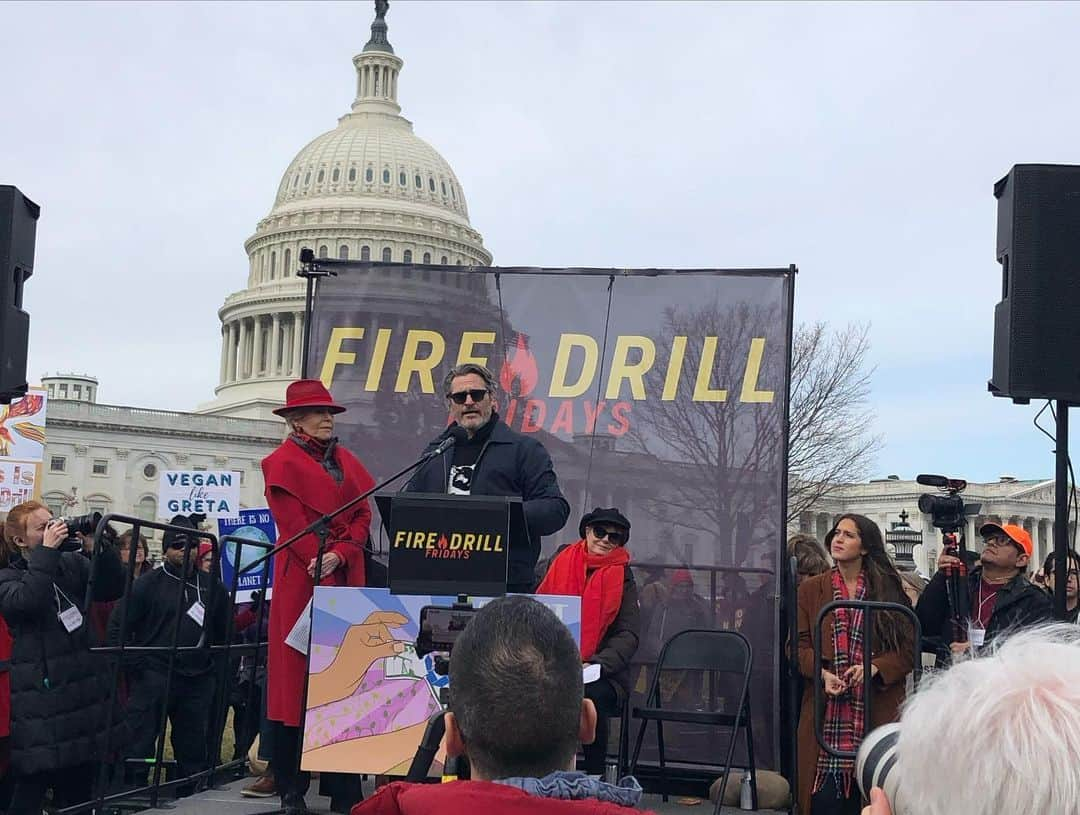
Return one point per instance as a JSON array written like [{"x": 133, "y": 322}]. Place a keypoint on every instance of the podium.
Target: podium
[{"x": 450, "y": 544}]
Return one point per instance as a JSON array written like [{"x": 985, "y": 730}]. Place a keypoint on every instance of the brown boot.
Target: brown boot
[{"x": 264, "y": 787}]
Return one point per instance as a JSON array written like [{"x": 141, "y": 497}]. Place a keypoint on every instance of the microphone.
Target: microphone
[{"x": 456, "y": 434}]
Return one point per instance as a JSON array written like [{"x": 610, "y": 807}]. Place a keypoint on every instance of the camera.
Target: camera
[
  {"x": 82, "y": 525},
  {"x": 440, "y": 626},
  {"x": 876, "y": 765},
  {"x": 947, "y": 512}
]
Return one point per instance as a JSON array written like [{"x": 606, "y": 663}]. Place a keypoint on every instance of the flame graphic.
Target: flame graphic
[
  {"x": 27, "y": 406},
  {"x": 521, "y": 368},
  {"x": 442, "y": 542}
]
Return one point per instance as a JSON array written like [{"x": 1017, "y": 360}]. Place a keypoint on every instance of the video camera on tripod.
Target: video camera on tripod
[{"x": 949, "y": 513}]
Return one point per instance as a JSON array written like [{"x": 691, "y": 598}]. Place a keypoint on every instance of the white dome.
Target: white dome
[
  {"x": 370, "y": 156},
  {"x": 369, "y": 189}
]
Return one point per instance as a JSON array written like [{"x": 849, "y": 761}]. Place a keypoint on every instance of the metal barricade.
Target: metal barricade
[
  {"x": 870, "y": 607},
  {"x": 131, "y": 798}
]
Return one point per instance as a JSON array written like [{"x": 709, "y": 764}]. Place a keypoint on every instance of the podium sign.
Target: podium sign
[{"x": 447, "y": 544}]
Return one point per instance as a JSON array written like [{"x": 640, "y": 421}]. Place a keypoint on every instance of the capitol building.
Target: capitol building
[{"x": 369, "y": 189}]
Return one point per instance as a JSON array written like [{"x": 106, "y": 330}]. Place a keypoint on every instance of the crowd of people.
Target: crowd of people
[{"x": 73, "y": 722}]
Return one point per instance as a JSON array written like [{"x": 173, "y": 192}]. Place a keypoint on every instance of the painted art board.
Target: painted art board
[{"x": 367, "y": 706}]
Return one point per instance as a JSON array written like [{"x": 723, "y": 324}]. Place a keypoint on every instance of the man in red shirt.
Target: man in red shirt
[
  {"x": 1001, "y": 596},
  {"x": 518, "y": 712}
]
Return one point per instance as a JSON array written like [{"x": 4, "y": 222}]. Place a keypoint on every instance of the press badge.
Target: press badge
[
  {"x": 976, "y": 635},
  {"x": 197, "y": 612},
  {"x": 71, "y": 618}
]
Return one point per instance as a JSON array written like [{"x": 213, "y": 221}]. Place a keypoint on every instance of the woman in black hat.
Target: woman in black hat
[{"x": 597, "y": 569}]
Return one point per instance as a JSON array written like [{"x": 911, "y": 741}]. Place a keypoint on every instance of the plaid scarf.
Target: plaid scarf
[
  {"x": 845, "y": 714},
  {"x": 322, "y": 452}
]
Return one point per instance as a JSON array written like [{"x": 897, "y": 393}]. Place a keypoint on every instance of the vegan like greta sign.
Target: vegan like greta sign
[{"x": 215, "y": 493}]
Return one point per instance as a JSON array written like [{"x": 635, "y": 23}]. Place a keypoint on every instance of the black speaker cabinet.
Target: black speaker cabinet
[
  {"x": 1037, "y": 322},
  {"x": 18, "y": 230}
]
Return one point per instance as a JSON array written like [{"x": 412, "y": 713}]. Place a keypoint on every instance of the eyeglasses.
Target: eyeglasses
[
  {"x": 616, "y": 536},
  {"x": 477, "y": 395},
  {"x": 1003, "y": 540}
]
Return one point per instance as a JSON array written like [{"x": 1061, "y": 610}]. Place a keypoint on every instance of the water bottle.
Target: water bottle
[
  {"x": 611, "y": 773},
  {"x": 746, "y": 793}
]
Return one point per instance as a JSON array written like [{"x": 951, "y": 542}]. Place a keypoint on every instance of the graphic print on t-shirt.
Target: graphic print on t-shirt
[{"x": 460, "y": 479}]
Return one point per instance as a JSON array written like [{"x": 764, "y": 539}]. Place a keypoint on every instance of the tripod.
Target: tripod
[
  {"x": 956, "y": 583},
  {"x": 321, "y": 529}
]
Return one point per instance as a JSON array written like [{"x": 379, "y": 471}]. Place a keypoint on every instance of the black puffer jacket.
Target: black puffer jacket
[
  {"x": 59, "y": 690},
  {"x": 1019, "y": 604}
]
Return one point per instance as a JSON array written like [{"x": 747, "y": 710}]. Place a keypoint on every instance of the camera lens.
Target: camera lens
[{"x": 876, "y": 765}]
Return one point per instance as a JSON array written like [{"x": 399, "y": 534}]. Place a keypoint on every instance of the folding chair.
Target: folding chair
[{"x": 725, "y": 652}]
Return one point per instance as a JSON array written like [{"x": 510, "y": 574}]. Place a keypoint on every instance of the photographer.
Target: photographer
[
  {"x": 1001, "y": 597},
  {"x": 59, "y": 690},
  {"x": 151, "y": 621},
  {"x": 517, "y": 711}
]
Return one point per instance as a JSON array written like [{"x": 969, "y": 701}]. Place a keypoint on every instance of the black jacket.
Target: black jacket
[
  {"x": 151, "y": 621},
  {"x": 59, "y": 689},
  {"x": 1019, "y": 603},
  {"x": 620, "y": 642},
  {"x": 509, "y": 464}
]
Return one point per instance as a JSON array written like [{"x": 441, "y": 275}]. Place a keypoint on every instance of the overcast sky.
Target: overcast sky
[{"x": 860, "y": 142}]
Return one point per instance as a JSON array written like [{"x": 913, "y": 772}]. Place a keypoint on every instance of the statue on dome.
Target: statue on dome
[{"x": 381, "y": 7}]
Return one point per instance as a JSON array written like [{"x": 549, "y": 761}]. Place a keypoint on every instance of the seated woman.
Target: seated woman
[{"x": 597, "y": 569}]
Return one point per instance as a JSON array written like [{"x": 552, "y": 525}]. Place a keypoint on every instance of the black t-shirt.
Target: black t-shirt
[{"x": 466, "y": 454}]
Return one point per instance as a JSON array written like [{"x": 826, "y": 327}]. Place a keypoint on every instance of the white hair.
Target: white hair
[{"x": 999, "y": 732}]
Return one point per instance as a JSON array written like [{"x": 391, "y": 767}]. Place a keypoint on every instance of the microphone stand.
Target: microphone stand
[{"x": 321, "y": 529}]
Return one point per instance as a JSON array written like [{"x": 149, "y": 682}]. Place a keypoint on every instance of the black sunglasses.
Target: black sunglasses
[
  {"x": 477, "y": 395},
  {"x": 614, "y": 535}
]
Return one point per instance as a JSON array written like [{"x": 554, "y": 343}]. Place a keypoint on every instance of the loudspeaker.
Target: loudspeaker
[
  {"x": 18, "y": 231},
  {"x": 1037, "y": 322}
]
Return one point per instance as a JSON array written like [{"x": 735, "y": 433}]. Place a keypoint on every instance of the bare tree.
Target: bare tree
[{"x": 829, "y": 440}]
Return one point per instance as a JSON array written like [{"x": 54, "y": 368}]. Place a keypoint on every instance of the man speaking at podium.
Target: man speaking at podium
[{"x": 491, "y": 459}]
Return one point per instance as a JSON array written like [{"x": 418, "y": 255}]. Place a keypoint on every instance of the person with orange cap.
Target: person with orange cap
[
  {"x": 1001, "y": 597},
  {"x": 308, "y": 476}
]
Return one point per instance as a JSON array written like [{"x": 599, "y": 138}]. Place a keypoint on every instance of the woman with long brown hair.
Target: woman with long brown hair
[{"x": 862, "y": 571}]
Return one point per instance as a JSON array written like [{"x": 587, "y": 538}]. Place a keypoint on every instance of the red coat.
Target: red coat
[
  {"x": 5, "y": 681},
  {"x": 474, "y": 798},
  {"x": 298, "y": 492}
]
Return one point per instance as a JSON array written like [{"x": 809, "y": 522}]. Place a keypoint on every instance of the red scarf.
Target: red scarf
[
  {"x": 845, "y": 715},
  {"x": 597, "y": 580}
]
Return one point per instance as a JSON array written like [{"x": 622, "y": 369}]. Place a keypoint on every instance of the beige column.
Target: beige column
[
  {"x": 242, "y": 360},
  {"x": 230, "y": 363},
  {"x": 257, "y": 347},
  {"x": 298, "y": 342},
  {"x": 224, "y": 352},
  {"x": 275, "y": 346}
]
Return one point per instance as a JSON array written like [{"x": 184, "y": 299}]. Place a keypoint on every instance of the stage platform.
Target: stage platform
[{"x": 228, "y": 801}]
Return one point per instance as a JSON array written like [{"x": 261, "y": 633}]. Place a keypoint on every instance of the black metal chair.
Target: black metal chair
[{"x": 721, "y": 652}]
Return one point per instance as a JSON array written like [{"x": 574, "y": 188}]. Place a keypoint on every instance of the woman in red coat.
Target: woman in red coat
[{"x": 308, "y": 476}]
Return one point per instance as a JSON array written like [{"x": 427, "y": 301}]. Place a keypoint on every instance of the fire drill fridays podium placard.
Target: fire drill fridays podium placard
[{"x": 448, "y": 544}]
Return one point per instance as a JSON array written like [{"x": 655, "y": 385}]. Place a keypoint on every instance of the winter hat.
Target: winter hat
[
  {"x": 604, "y": 515},
  {"x": 173, "y": 539}
]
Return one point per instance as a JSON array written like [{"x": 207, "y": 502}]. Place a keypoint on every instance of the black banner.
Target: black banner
[{"x": 661, "y": 392}]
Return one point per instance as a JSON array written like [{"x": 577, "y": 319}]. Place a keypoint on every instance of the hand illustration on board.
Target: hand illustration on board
[{"x": 363, "y": 645}]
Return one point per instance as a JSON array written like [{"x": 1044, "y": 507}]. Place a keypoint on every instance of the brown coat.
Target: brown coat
[{"x": 888, "y": 686}]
